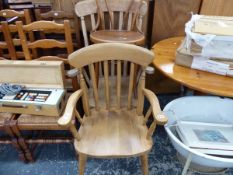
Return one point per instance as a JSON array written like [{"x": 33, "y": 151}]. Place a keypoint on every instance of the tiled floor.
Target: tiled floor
[{"x": 61, "y": 160}]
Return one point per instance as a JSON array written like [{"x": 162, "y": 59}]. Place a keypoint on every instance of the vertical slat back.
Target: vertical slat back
[
  {"x": 102, "y": 19},
  {"x": 129, "y": 24},
  {"x": 106, "y": 84},
  {"x": 84, "y": 30},
  {"x": 121, "y": 20},
  {"x": 139, "y": 24},
  {"x": 117, "y": 93},
  {"x": 100, "y": 70},
  {"x": 134, "y": 11},
  {"x": 94, "y": 85},
  {"x": 111, "y": 18},
  {"x": 118, "y": 84},
  {"x": 131, "y": 82},
  {"x": 112, "y": 68},
  {"x": 141, "y": 85},
  {"x": 93, "y": 23},
  {"x": 133, "y": 22},
  {"x": 125, "y": 68},
  {"x": 85, "y": 97}
]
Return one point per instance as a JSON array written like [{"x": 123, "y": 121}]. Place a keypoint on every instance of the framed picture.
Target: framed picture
[{"x": 209, "y": 138}]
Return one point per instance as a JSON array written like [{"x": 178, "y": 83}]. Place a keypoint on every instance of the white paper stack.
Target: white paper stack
[{"x": 209, "y": 45}]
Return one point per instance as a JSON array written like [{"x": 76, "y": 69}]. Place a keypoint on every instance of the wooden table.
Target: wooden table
[{"x": 194, "y": 79}]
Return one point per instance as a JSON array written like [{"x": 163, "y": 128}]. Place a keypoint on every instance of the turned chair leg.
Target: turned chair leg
[
  {"x": 21, "y": 141},
  {"x": 14, "y": 141},
  {"x": 144, "y": 161},
  {"x": 82, "y": 163}
]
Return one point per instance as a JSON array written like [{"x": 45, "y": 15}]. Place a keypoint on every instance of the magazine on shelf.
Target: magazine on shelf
[{"x": 209, "y": 138}]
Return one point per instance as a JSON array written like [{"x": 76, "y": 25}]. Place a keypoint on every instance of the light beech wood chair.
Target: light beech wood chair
[
  {"x": 49, "y": 26},
  {"x": 117, "y": 21},
  {"x": 111, "y": 21},
  {"x": 119, "y": 129},
  {"x": 9, "y": 31}
]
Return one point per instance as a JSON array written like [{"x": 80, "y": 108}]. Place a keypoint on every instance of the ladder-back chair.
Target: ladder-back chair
[
  {"x": 119, "y": 129},
  {"x": 49, "y": 26},
  {"x": 9, "y": 31},
  {"x": 59, "y": 17},
  {"x": 112, "y": 21}
]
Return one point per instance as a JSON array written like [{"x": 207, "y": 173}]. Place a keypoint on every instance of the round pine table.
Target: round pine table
[{"x": 201, "y": 81}]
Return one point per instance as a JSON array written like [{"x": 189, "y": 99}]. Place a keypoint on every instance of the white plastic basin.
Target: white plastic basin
[{"x": 201, "y": 109}]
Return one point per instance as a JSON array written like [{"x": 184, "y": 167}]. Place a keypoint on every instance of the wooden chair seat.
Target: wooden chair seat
[
  {"x": 108, "y": 36},
  {"x": 113, "y": 133}
]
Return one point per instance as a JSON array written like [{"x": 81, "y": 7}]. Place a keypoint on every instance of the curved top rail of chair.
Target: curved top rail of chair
[
  {"x": 42, "y": 25},
  {"x": 111, "y": 51},
  {"x": 11, "y": 13},
  {"x": 88, "y": 7}
]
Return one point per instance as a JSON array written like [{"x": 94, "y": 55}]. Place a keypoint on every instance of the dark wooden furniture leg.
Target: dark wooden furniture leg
[
  {"x": 15, "y": 143},
  {"x": 21, "y": 141}
]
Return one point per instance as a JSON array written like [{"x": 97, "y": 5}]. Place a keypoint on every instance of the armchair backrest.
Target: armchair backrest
[{"x": 103, "y": 54}]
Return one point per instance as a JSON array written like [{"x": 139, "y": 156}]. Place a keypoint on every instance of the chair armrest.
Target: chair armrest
[
  {"x": 158, "y": 115},
  {"x": 68, "y": 114}
]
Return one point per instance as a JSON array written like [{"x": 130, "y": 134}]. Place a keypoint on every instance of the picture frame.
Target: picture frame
[{"x": 209, "y": 138}]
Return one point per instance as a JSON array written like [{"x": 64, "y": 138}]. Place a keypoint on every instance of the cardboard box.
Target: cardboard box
[
  {"x": 216, "y": 25},
  {"x": 186, "y": 58},
  {"x": 210, "y": 36}
]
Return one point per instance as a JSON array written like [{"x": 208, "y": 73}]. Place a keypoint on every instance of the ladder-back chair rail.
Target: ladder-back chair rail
[
  {"x": 48, "y": 43},
  {"x": 44, "y": 43},
  {"x": 9, "y": 30},
  {"x": 60, "y": 16}
]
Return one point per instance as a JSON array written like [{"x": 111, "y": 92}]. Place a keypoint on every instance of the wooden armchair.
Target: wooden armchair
[
  {"x": 51, "y": 27},
  {"x": 9, "y": 31},
  {"x": 113, "y": 130},
  {"x": 117, "y": 21},
  {"x": 112, "y": 21}
]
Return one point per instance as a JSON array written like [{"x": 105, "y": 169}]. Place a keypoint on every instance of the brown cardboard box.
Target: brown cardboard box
[{"x": 184, "y": 57}]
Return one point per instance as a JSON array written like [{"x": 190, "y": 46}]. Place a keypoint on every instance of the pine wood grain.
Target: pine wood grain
[
  {"x": 114, "y": 133},
  {"x": 217, "y": 7},
  {"x": 170, "y": 17},
  {"x": 194, "y": 79}
]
